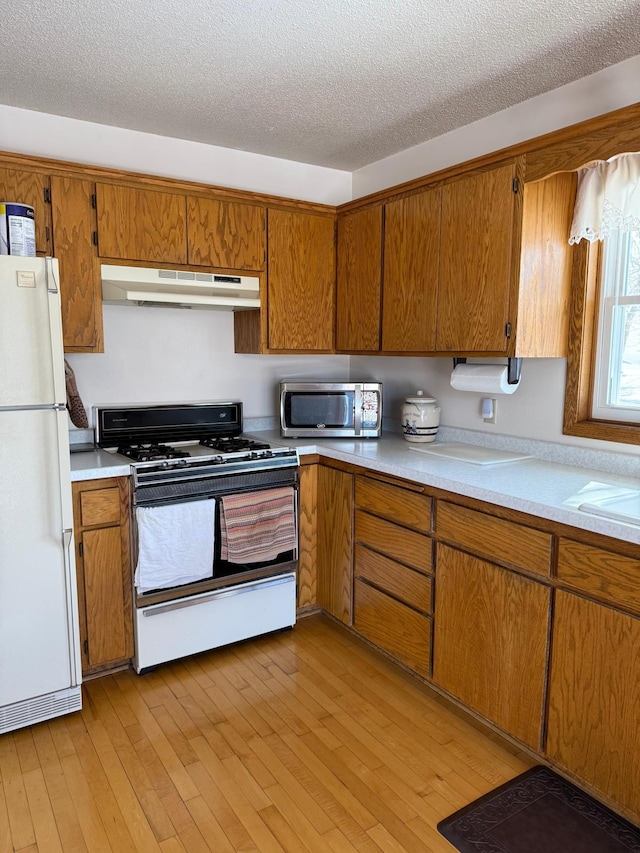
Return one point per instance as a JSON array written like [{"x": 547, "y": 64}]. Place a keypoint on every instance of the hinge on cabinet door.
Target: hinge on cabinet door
[
  {"x": 507, "y": 330},
  {"x": 80, "y": 549},
  {"x": 47, "y": 233},
  {"x": 516, "y": 185},
  {"x": 47, "y": 195},
  {"x": 86, "y": 647},
  {"x": 94, "y": 237},
  {"x": 94, "y": 201}
]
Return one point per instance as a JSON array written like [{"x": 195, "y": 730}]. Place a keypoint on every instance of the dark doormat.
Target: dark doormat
[{"x": 539, "y": 812}]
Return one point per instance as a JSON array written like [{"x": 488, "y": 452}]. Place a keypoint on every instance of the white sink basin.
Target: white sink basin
[
  {"x": 469, "y": 453},
  {"x": 622, "y": 508}
]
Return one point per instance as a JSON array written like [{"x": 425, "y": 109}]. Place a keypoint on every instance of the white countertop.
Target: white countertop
[
  {"x": 96, "y": 464},
  {"x": 549, "y": 490}
]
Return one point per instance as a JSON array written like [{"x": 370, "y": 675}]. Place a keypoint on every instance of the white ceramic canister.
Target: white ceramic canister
[{"x": 420, "y": 417}]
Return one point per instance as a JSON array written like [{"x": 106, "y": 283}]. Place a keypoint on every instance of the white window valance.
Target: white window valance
[{"x": 608, "y": 198}]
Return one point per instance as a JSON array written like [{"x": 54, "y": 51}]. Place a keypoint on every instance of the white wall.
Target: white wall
[
  {"x": 607, "y": 90},
  {"x": 44, "y": 135},
  {"x": 161, "y": 355}
]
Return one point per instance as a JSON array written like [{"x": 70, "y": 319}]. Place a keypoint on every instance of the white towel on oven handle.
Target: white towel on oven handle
[{"x": 175, "y": 544}]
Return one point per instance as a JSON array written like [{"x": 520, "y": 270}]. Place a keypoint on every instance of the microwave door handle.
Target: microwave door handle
[{"x": 357, "y": 414}]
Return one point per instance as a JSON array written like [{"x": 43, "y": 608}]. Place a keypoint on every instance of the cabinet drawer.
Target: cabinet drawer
[
  {"x": 393, "y": 627},
  {"x": 395, "y": 503},
  {"x": 404, "y": 545},
  {"x": 100, "y": 506},
  {"x": 409, "y": 586},
  {"x": 610, "y": 576},
  {"x": 495, "y": 538}
]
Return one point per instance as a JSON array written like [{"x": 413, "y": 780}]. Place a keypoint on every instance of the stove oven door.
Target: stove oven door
[
  {"x": 253, "y": 518},
  {"x": 256, "y": 530}
]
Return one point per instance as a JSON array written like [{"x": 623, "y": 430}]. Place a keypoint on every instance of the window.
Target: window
[{"x": 616, "y": 379}]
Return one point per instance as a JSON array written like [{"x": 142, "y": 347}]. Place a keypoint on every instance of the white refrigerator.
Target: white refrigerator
[{"x": 39, "y": 647}]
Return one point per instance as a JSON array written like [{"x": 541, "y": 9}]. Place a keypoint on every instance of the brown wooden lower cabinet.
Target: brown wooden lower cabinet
[
  {"x": 490, "y": 641},
  {"x": 101, "y": 521},
  {"x": 594, "y": 697},
  {"x": 481, "y": 629}
]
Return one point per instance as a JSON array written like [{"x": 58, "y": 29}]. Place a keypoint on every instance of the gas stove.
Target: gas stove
[{"x": 185, "y": 439}]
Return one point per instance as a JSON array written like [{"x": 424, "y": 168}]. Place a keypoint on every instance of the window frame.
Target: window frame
[{"x": 581, "y": 353}]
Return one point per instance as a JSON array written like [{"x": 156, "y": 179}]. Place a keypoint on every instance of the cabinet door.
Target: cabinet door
[
  {"x": 410, "y": 284},
  {"x": 80, "y": 289},
  {"x": 476, "y": 261},
  {"x": 594, "y": 697},
  {"x": 101, "y": 523},
  {"x": 307, "y": 535},
  {"x": 225, "y": 234},
  {"x": 335, "y": 542},
  {"x": 359, "y": 280},
  {"x": 490, "y": 642},
  {"x": 301, "y": 280},
  {"x": 107, "y": 638},
  {"x": 141, "y": 225},
  {"x": 29, "y": 188}
]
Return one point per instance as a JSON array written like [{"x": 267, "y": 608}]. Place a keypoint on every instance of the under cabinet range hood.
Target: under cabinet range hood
[{"x": 178, "y": 288}]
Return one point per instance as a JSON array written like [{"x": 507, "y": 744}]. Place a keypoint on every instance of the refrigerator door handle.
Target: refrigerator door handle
[
  {"x": 55, "y": 336},
  {"x": 52, "y": 284},
  {"x": 67, "y": 535}
]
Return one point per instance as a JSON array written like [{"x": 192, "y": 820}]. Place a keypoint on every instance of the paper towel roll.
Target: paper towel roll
[{"x": 482, "y": 378}]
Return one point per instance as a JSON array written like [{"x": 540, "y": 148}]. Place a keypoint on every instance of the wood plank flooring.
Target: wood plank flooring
[{"x": 305, "y": 741}]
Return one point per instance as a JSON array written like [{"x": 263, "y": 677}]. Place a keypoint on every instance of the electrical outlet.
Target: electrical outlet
[{"x": 489, "y": 409}]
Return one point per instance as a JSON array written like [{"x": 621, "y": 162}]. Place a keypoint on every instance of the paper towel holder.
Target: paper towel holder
[{"x": 514, "y": 368}]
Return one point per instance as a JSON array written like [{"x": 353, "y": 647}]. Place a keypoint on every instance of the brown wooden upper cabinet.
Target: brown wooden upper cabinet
[
  {"x": 476, "y": 261},
  {"x": 141, "y": 224},
  {"x": 478, "y": 265},
  {"x": 30, "y": 188},
  {"x": 359, "y": 280},
  {"x": 301, "y": 280},
  {"x": 74, "y": 225},
  {"x": 410, "y": 285},
  {"x": 225, "y": 234}
]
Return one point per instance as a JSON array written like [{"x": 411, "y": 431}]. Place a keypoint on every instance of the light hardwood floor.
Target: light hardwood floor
[{"x": 306, "y": 740}]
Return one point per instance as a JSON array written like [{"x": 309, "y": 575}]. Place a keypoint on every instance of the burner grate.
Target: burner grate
[
  {"x": 233, "y": 444},
  {"x": 150, "y": 452}
]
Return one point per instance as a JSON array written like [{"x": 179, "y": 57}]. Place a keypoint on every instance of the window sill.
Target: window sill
[{"x": 623, "y": 433}]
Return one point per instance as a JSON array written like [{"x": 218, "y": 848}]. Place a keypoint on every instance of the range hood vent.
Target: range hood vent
[{"x": 178, "y": 288}]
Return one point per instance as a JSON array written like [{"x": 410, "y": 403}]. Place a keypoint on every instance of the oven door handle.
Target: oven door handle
[{"x": 242, "y": 589}]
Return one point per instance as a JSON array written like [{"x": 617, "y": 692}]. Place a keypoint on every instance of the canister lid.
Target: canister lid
[{"x": 420, "y": 398}]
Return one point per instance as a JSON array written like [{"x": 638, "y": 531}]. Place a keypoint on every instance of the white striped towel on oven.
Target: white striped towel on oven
[
  {"x": 175, "y": 544},
  {"x": 257, "y": 526}
]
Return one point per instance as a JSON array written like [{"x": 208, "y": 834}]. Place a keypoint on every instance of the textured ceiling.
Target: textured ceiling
[{"x": 339, "y": 83}]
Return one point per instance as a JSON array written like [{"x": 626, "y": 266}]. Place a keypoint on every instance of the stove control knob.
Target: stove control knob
[
  {"x": 164, "y": 464},
  {"x": 181, "y": 463}
]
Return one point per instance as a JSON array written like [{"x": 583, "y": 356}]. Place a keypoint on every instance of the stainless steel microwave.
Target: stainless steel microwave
[{"x": 331, "y": 409}]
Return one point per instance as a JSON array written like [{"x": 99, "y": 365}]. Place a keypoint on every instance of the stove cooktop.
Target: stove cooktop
[
  {"x": 201, "y": 438},
  {"x": 218, "y": 444}
]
